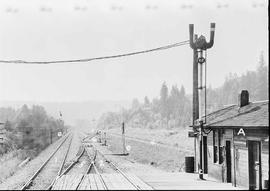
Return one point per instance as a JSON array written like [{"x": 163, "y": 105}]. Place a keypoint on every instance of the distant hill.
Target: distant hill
[{"x": 73, "y": 111}]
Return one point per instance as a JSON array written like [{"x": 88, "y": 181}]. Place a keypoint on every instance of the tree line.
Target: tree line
[
  {"x": 29, "y": 129},
  {"x": 173, "y": 108},
  {"x": 256, "y": 82}
]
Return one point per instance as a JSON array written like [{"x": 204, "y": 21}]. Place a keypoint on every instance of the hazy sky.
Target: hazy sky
[{"x": 72, "y": 29}]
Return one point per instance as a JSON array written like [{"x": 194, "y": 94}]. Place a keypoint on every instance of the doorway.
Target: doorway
[
  {"x": 228, "y": 161},
  {"x": 254, "y": 165},
  {"x": 205, "y": 154}
]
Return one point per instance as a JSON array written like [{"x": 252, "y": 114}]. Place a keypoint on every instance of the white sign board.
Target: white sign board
[
  {"x": 59, "y": 134},
  {"x": 128, "y": 148},
  {"x": 241, "y": 132}
]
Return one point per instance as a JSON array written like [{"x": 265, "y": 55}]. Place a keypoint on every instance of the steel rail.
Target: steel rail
[
  {"x": 73, "y": 163},
  {"x": 62, "y": 165},
  {"x": 120, "y": 171},
  {"x": 64, "y": 160},
  {"x": 100, "y": 177},
  {"x": 95, "y": 168},
  {"x": 27, "y": 184},
  {"x": 60, "y": 173},
  {"x": 76, "y": 160},
  {"x": 92, "y": 164}
]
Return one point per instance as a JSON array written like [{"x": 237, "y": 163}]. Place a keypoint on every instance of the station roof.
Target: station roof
[{"x": 255, "y": 114}]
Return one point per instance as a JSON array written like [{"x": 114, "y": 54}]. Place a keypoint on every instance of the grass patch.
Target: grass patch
[
  {"x": 9, "y": 162},
  {"x": 175, "y": 138},
  {"x": 168, "y": 159}
]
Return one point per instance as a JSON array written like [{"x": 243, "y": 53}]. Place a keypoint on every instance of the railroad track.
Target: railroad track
[
  {"x": 90, "y": 152},
  {"x": 116, "y": 169},
  {"x": 30, "y": 182},
  {"x": 76, "y": 163}
]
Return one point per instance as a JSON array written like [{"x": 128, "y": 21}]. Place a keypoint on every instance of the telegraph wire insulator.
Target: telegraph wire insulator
[{"x": 201, "y": 60}]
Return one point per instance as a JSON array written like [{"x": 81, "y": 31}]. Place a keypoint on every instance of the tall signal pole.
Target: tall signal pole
[{"x": 199, "y": 45}]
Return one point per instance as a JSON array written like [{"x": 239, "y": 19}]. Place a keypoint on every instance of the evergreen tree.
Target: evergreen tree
[
  {"x": 135, "y": 104},
  {"x": 146, "y": 101},
  {"x": 164, "y": 101},
  {"x": 262, "y": 80}
]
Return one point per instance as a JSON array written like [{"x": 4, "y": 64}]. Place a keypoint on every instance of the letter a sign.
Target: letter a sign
[{"x": 241, "y": 132}]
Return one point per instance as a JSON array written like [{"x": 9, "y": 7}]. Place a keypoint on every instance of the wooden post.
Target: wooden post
[
  {"x": 123, "y": 138},
  {"x": 99, "y": 136},
  {"x": 201, "y": 152},
  {"x": 195, "y": 105},
  {"x": 51, "y": 135},
  {"x": 195, "y": 100},
  {"x": 105, "y": 139}
]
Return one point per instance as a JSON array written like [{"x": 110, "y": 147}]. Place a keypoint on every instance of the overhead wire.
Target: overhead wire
[{"x": 97, "y": 58}]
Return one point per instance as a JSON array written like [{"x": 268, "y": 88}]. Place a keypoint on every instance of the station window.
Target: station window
[
  {"x": 217, "y": 147},
  {"x": 220, "y": 149}
]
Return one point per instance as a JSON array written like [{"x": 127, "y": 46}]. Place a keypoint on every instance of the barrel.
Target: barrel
[
  {"x": 266, "y": 184},
  {"x": 189, "y": 164}
]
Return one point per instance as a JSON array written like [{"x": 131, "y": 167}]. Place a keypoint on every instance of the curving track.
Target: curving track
[{"x": 83, "y": 164}]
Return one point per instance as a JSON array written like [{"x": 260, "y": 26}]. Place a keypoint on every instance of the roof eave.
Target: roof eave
[{"x": 235, "y": 127}]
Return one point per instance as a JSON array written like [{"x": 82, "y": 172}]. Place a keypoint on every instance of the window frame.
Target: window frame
[
  {"x": 218, "y": 157},
  {"x": 215, "y": 147}
]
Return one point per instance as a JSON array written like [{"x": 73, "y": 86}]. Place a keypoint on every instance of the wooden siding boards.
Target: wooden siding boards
[
  {"x": 241, "y": 167},
  {"x": 254, "y": 120},
  {"x": 239, "y": 154},
  {"x": 214, "y": 169}
]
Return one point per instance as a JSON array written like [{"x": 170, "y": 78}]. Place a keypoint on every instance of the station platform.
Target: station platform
[{"x": 149, "y": 181}]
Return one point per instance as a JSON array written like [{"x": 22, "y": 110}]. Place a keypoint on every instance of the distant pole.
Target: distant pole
[
  {"x": 51, "y": 135},
  {"x": 105, "y": 139},
  {"x": 99, "y": 136},
  {"x": 123, "y": 138}
]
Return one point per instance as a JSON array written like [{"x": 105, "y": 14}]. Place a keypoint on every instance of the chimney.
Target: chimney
[{"x": 243, "y": 99}]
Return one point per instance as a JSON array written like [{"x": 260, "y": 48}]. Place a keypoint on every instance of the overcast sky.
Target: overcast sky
[{"x": 69, "y": 29}]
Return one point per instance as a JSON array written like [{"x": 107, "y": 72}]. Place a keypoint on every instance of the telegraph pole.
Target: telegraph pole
[
  {"x": 123, "y": 138},
  {"x": 199, "y": 45},
  {"x": 51, "y": 135},
  {"x": 195, "y": 105}
]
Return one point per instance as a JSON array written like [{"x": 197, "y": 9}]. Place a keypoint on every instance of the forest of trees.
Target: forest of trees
[
  {"x": 256, "y": 82},
  {"x": 28, "y": 129},
  {"x": 165, "y": 112},
  {"x": 173, "y": 108}
]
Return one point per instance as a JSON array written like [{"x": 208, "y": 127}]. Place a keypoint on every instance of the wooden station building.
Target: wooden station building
[{"x": 235, "y": 144}]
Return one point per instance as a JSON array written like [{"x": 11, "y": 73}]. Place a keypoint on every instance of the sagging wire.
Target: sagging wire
[{"x": 97, "y": 58}]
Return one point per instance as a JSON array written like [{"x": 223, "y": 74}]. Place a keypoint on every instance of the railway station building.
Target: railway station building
[{"x": 235, "y": 144}]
